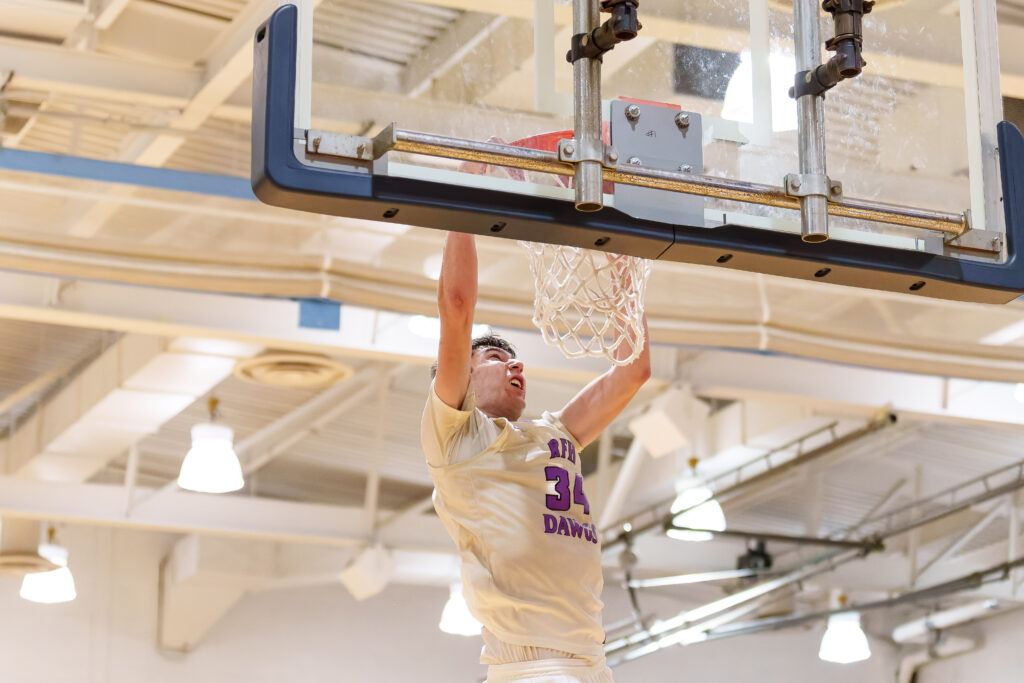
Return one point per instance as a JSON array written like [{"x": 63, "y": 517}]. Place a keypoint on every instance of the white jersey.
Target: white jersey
[{"x": 511, "y": 496}]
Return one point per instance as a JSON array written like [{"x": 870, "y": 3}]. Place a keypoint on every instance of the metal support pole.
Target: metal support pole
[
  {"x": 694, "y": 616},
  {"x": 914, "y": 542},
  {"x": 867, "y": 545},
  {"x": 543, "y": 161},
  {"x": 983, "y": 102},
  {"x": 131, "y": 474},
  {"x": 829, "y": 562},
  {"x": 810, "y": 120},
  {"x": 586, "y": 77},
  {"x": 966, "y": 582},
  {"x": 1015, "y": 576},
  {"x": 370, "y": 499}
]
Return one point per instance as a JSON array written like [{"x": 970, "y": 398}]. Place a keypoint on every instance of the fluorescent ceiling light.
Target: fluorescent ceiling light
[
  {"x": 739, "y": 94},
  {"x": 53, "y": 586},
  {"x": 211, "y": 465},
  {"x": 456, "y": 618},
  {"x": 706, "y": 515},
  {"x": 844, "y": 641}
]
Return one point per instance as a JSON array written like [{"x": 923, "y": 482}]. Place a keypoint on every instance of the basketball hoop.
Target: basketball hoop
[{"x": 587, "y": 303}]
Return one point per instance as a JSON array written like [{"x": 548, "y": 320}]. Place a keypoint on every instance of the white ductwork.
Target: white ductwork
[
  {"x": 948, "y": 647},
  {"x": 920, "y": 630}
]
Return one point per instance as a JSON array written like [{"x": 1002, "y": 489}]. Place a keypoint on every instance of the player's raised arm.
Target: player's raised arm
[
  {"x": 456, "y": 302},
  {"x": 600, "y": 402}
]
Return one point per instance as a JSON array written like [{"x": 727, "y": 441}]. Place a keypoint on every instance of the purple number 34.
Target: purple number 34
[{"x": 561, "y": 500}]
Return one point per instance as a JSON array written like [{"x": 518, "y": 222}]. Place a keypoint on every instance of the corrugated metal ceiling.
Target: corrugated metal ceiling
[{"x": 385, "y": 29}]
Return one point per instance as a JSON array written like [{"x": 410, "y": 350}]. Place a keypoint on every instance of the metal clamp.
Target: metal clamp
[
  {"x": 977, "y": 240},
  {"x": 808, "y": 185},
  {"x": 351, "y": 146},
  {"x": 571, "y": 151}
]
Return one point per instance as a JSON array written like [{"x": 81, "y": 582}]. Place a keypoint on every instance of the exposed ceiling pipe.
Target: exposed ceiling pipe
[
  {"x": 723, "y": 495},
  {"x": 920, "y": 630},
  {"x": 307, "y": 276},
  {"x": 650, "y": 640},
  {"x": 948, "y": 647},
  {"x": 971, "y": 581},
  {"x": 661, "y": 633}
]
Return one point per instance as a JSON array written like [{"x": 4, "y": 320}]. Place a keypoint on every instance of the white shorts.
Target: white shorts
[
  {"x": 551, "y": 671},
  {"x": 507, "y": 662}
]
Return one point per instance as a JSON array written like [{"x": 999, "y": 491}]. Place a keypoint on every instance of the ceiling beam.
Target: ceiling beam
[
  {"x": 203, "y": 576},
  {"x": 126, "y": 393},
  {"x": 937, "y": 62},
  {"x": 274, "y": 439},
  {"x": 37, "y": 66},
  {"x": 228, "y": 63},
  {"x": 463, "y": 36},
  {"x": 266, "y": 322},
  {"x": 218, "y": 515},
  {"x": 853, "y": 390},
  {"x": 50, "y": 68},
  {"x": 47, "y": 18}
]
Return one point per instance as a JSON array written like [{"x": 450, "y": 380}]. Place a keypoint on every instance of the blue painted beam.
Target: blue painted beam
[{"x": 126, "y": 174}]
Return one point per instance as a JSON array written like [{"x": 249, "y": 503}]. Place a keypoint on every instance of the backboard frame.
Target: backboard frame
[{"x": 284, "y": 174}]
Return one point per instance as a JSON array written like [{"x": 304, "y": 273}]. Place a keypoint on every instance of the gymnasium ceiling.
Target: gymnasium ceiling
[{"x": 123, "y": 311}]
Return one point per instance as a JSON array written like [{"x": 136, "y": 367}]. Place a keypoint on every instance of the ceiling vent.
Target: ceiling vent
[{"x": 287, "y": 369}]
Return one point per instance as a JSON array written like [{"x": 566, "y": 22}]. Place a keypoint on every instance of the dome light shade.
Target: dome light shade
[
  {"x": 53, "y": 586},
  {"x": 456, "y": 618},
  {"x": 211, "y": 465},
  {"x": 844, "y": 641},
  {"x": 707, "y": 515}
]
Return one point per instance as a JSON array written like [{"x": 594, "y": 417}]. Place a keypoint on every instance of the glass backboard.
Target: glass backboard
[{"x": 902, "y": 133}]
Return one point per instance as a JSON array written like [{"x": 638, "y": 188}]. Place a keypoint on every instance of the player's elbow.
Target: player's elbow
[{"x": 454, "y": 304}]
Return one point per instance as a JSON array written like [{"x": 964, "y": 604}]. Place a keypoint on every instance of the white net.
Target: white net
[{"x": 589, "y": 303}]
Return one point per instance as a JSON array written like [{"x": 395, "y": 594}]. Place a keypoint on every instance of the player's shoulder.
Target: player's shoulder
[{"x": 544, "y": 422}]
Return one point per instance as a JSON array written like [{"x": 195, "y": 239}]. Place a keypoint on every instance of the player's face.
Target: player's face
[{"x": 498, "y": 382}]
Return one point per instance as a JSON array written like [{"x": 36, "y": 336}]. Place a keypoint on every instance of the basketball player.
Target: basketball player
[{"x": 510, "y": 492}]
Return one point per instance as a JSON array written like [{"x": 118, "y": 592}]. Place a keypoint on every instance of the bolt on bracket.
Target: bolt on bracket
[
  {"x": 351, "y": 146},
  {"x": 808, "y": 185},
  {"x": 571, "y": 151},
  {"x": 976, "y": 240}
]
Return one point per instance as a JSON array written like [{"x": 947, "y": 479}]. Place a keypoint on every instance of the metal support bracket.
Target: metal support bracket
[
  {"x": 978, "y": 240},
  {"x": 355, "y": 147},
  {"x": 335, "y": 145},
  {"x": 572, "y": 151},
  {"x": 808, "y": 185}
]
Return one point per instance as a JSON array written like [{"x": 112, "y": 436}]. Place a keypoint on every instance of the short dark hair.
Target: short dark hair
[{"x": 488, "y": 340}]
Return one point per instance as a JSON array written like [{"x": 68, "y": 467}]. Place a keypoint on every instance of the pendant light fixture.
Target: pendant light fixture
[{"x": 211, "y": 465}]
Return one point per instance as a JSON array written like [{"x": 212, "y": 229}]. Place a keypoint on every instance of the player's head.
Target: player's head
[{"x": 497, "y": 378}]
